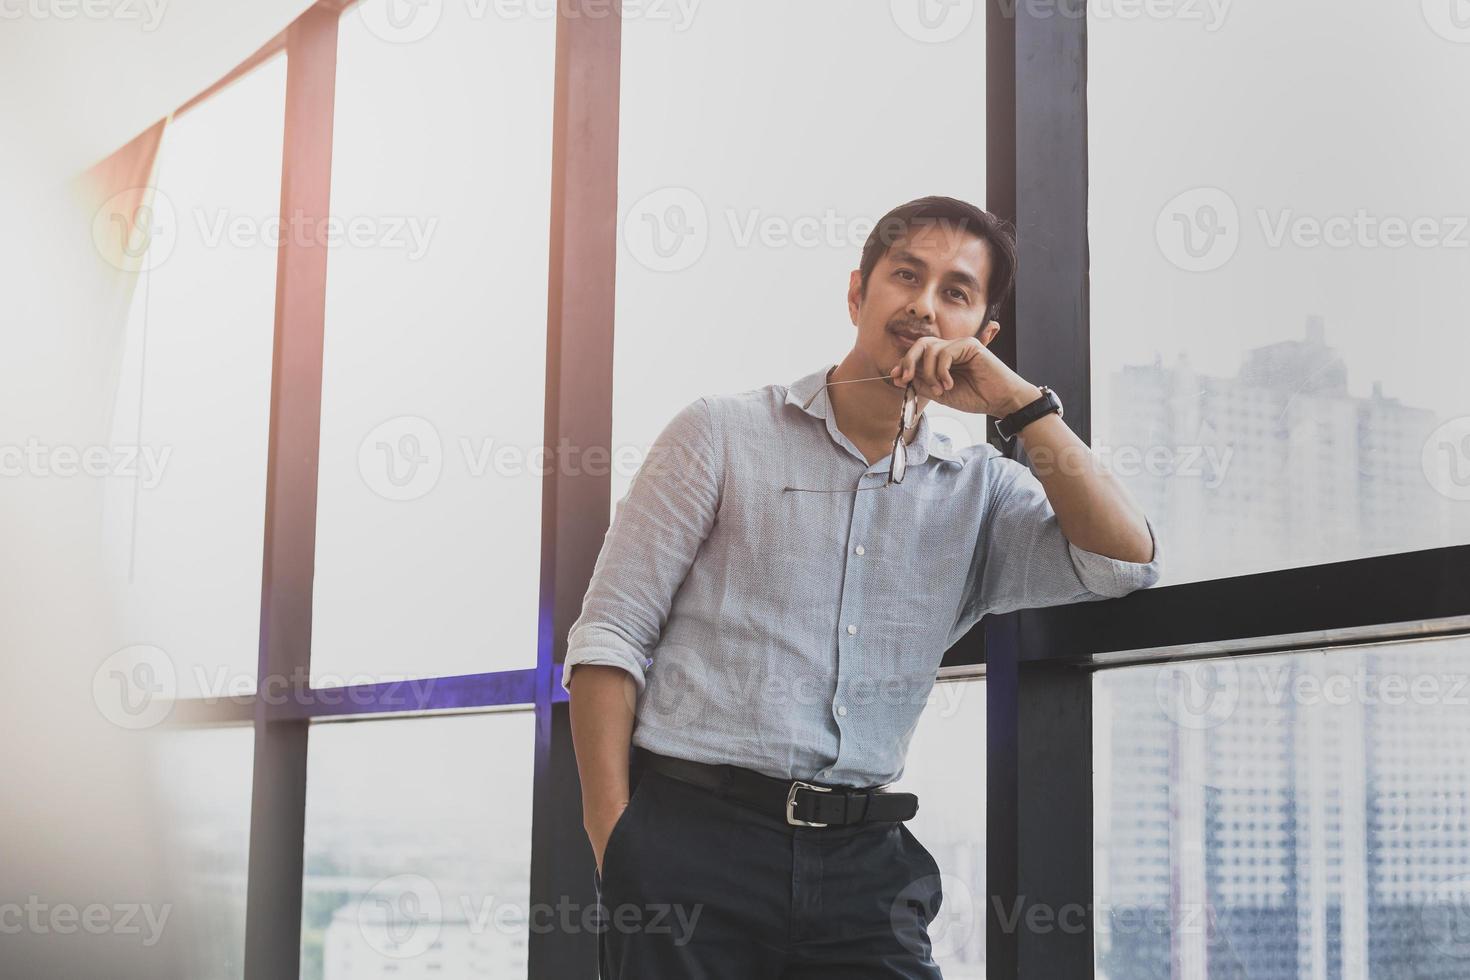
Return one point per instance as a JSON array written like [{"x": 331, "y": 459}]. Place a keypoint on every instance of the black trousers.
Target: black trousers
[{"x": 696, "y": 886}]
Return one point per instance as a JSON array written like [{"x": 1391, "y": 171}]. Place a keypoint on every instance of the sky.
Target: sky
[{"x": 1297, "y": 112}]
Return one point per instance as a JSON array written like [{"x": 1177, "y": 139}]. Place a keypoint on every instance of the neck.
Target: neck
[{"x": 867, "y": 412}]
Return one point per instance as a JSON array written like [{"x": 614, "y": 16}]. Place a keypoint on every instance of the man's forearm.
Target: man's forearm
[
  {"x": 601, "y": 709},
  {"x": 1094, "y": 510}
]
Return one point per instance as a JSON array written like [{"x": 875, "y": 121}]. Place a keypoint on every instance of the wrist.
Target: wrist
[
  {"x": 1018, "y": 399},
  {"x": 602, "y": 813}
]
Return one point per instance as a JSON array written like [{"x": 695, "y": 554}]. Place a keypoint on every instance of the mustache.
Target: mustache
[{"x": 912, "y": 327}]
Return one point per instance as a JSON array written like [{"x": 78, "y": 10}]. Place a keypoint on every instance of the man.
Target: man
[{"x": 770, "y": 607}]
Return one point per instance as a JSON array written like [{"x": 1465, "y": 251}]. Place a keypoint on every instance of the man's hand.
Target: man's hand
[
  {"x": 964, "y": 375},
  {"x": 599, "y": 827}
]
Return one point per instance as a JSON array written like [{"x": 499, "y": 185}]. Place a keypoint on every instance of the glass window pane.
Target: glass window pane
[
  {"x": 418, "y": 853},
  {"x": 186, "y": 527},
  {"x": 1277, "y": 278},
  {"x": 202, "y": 780},
  {"x": 744, "y": 197},
  {"x": 1301, "y": 815},
  {"x": 429, "y": 507},
  {"x": 945, "y": 768}
]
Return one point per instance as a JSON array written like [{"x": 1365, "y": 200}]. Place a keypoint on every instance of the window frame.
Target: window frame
[{"x": 1038, "y": 664}]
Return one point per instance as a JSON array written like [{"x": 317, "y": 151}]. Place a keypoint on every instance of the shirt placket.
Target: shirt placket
[{"x": 857, "y": 558}]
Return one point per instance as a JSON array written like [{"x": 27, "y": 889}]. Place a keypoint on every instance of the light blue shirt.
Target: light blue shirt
[{"x": 799, "y": 634}]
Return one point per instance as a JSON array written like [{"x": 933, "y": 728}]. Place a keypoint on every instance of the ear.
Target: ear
[
  {"x": 988, "y": 334},
  {"x": 854, "y": 294}
]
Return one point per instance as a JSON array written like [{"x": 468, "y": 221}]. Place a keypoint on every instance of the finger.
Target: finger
[
  {"x": 930, "y": 362},
  {"x": 941, "y": 367},
  {"x": 908, "y": 361}
]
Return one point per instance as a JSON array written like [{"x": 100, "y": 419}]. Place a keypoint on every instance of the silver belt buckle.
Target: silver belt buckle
[{"x": 791, "y": 804}]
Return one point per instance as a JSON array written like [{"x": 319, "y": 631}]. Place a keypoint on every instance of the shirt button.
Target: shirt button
[
  {"x": 852, "y": 630},
  {"x": 842, "y": 709},
  {"x": 860, "y": 549}
]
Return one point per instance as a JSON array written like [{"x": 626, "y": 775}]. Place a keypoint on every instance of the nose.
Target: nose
[{"x": 921, "y": 306}]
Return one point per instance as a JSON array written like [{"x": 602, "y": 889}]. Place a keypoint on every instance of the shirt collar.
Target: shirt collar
[{"x": 812, "y": 387}]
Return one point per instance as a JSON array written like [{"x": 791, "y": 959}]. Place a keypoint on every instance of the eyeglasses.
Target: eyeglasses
[{"x": 907, "y": 417}]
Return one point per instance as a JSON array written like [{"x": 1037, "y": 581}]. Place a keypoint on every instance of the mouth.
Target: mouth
[{"x": 906, "y": 339}]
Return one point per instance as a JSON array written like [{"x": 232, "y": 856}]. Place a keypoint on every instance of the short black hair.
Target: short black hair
[{"x": 994, "y": 231}]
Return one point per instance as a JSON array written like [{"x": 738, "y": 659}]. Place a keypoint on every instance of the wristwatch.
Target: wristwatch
[{"x": 1016, "y": 421}]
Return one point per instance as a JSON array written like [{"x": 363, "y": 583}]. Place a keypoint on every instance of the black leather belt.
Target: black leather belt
[{"x": 803, "y": 804}]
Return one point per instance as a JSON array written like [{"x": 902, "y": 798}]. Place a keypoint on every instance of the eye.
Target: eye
[
  {"x": 959, "y": 294},
  {"x": 903, "y": 272}
]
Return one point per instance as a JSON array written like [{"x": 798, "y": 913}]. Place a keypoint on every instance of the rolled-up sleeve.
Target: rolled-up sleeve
[
  {"x": 656, "y": 531},
  {"x": 1023, "y": 560}
]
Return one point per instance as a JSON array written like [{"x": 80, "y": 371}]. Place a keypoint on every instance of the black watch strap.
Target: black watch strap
[{"x": 1016, "y": 421}]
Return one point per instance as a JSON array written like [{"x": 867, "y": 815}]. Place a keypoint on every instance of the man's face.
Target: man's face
[{"x": 930, "y": 283}]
